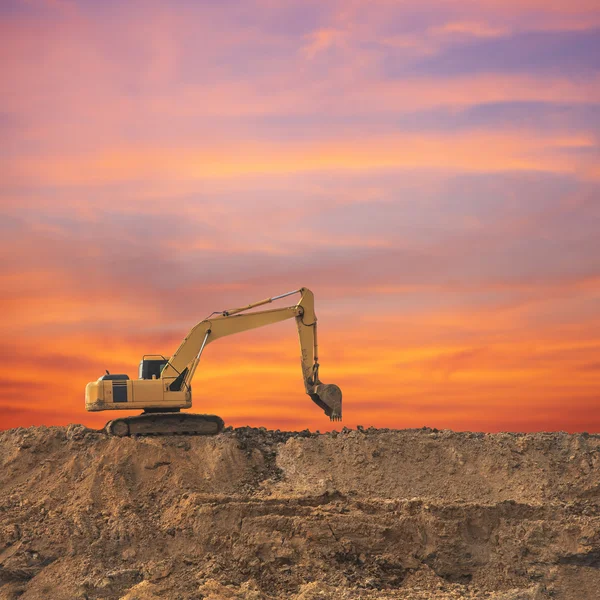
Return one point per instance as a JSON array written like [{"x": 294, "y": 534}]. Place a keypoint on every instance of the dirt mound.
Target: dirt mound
[{"x": 257, "y": 514}]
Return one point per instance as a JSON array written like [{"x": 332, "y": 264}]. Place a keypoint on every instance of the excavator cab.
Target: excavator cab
[{"x": 151, "y": 366}]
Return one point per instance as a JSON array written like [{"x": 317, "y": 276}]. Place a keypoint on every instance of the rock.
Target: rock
[
  {"x": 77, "y": 432},
  {"x": 155, "y": 571},
  {"x": 144, "y": 590}
]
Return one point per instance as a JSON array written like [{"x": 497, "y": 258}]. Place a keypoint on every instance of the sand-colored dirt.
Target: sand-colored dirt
[{"x": 373, "y": 514}]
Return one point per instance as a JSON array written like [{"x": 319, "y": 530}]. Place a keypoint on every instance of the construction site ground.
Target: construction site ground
[{"x": 257, "y": 514}]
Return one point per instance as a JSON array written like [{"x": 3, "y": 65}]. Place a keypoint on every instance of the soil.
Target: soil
[{"x": 257, "y": 514}]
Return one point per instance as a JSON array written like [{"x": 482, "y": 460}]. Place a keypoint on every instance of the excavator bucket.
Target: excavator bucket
[{"x": 328, "y": 396}]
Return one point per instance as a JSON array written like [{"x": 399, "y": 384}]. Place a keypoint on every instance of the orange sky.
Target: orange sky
[{"x": 431, "y": 172}]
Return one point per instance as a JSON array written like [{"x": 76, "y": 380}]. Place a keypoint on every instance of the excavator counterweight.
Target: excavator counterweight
[{"x": 164, "y": 385}]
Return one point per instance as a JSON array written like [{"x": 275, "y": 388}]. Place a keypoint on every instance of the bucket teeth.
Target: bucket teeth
[{"x": 329, "y": 397}]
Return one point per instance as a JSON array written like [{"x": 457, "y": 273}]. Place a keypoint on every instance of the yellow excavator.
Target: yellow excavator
[{"x": 164, "y": 385}]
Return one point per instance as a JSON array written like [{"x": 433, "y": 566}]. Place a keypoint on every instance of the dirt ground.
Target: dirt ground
[{"x": 257, "y": 514}]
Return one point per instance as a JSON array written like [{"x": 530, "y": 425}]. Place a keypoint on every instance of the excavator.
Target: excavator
[{"x": 164, "y": 385}]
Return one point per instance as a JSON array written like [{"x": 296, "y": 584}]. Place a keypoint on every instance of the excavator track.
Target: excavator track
[{"x": 165, "y": 423}]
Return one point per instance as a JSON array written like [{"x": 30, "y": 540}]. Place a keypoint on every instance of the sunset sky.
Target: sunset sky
[{"x": 431, "y": 170}]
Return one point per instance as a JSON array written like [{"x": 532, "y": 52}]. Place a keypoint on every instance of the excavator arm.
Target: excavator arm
[{"x": 179, "y": 371}]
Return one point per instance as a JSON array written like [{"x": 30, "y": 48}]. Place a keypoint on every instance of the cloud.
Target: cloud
[
  {"x": 469, "y": 28},
  {"x": 554, "y": 52},
  {"x": 471, "y": 152},
  {"x": 322, "y": 40}
]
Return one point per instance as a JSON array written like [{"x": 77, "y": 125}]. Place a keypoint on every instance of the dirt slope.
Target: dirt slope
[{"x": 374, "y": 514}]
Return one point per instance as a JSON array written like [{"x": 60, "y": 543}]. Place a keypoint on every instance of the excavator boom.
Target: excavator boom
[
  {"x": 165, "y": 383},
  {"x": 181, "y": 367}
]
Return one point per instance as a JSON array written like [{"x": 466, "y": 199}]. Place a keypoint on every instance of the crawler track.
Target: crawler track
[{"x": 167, "y": 423}]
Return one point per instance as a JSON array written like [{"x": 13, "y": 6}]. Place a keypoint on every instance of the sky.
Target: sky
[{"x": 430, "y": 170}]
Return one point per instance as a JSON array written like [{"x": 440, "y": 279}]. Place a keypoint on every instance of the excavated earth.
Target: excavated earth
[{"x": 250, "y": 513}]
